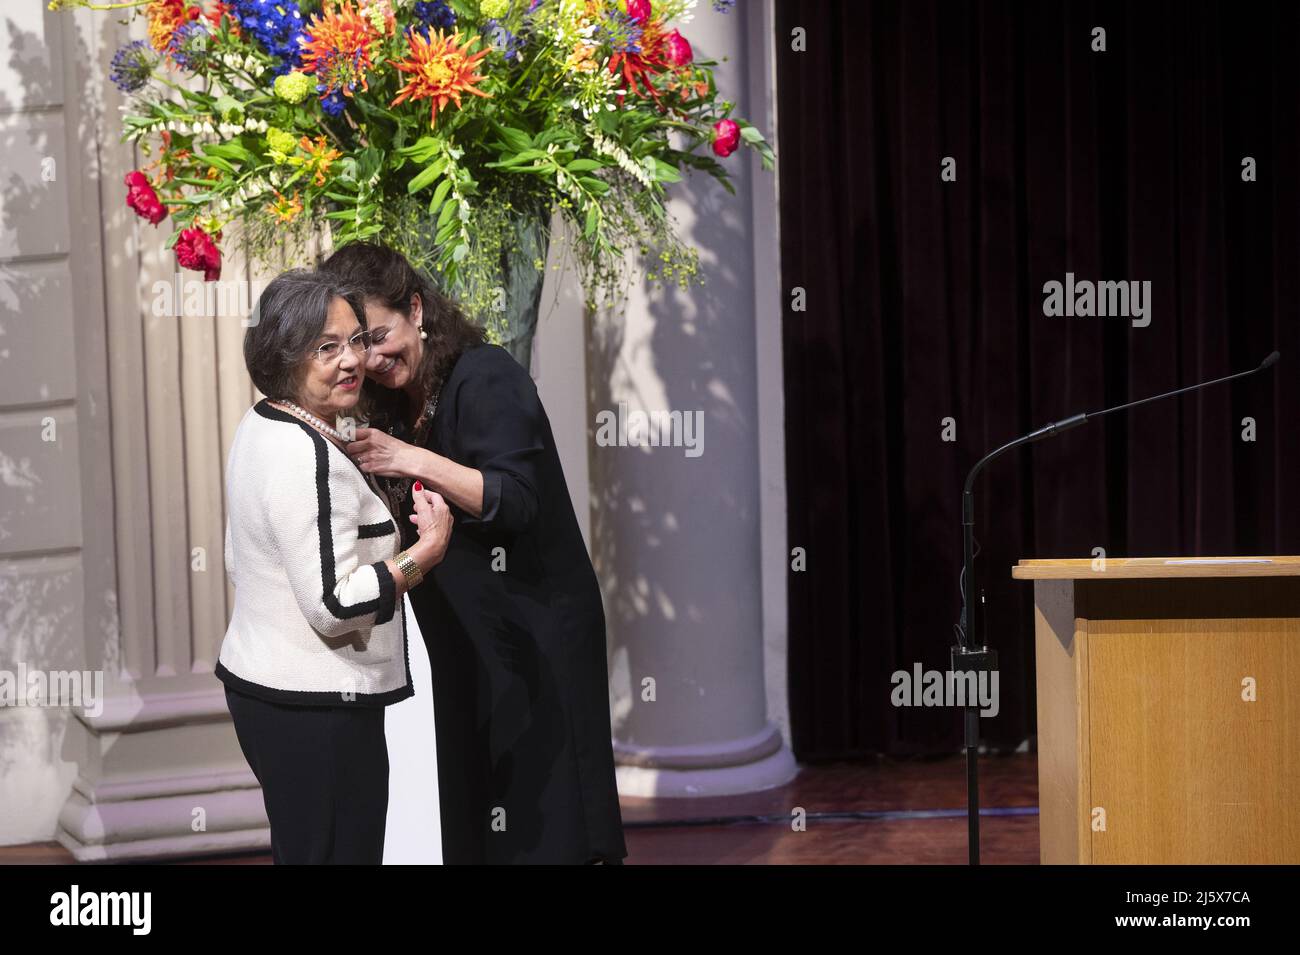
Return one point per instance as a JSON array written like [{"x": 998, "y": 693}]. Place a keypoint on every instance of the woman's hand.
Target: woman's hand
[
  {"x": 432, "y": 519},
  {"x": 377, "y": 452}
]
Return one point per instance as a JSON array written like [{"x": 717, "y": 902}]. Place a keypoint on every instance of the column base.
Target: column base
[
  {"x": 757, "y": 762},
  {"x": 161, "y": 775},
  {"x": 140, "y": 822}
]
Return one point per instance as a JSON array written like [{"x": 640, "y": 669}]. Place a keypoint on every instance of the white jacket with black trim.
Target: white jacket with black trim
[{"x": 316, "y": 620}]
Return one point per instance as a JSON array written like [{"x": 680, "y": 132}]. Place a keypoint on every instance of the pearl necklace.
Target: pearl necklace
[{"x": 312, "y": 420}]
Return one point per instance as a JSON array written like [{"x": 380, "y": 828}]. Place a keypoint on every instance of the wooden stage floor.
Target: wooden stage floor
[{"x": 882, "y": 812}]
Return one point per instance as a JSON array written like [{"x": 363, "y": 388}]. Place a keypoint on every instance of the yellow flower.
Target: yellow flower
[
  {"x": 280, "y": 144},
  {"x": 292, "y": 87}
]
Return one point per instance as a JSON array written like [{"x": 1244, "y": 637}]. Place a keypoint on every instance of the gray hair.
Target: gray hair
[{"x": 289, "y": 316}]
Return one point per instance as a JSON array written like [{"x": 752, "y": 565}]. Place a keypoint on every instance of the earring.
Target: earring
[{"x": 423, "y": 334}]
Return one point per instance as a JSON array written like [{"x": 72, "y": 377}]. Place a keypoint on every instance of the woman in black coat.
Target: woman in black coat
[{"x": 513, "y": 620}]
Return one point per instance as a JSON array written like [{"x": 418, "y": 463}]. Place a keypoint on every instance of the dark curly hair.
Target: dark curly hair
[{"x": 385, "y": 275}]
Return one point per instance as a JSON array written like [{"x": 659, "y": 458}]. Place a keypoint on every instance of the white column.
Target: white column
[{"x": 677, "y": 539}]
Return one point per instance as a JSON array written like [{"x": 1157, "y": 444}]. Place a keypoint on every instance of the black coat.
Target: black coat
[{"x": 513, "y": 622}]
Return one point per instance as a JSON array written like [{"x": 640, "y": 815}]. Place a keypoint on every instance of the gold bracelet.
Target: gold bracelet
[{"x": 409, "y": 568}]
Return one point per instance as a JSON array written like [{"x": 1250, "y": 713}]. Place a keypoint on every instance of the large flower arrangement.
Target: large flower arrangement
[{"x": 425, "y": 123}]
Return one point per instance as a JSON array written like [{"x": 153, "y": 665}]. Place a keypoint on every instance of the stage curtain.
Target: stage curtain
[{"x": 923, "y": 300}]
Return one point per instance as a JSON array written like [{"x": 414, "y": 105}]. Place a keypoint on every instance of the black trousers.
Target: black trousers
[{"x": 324, "y": 777}]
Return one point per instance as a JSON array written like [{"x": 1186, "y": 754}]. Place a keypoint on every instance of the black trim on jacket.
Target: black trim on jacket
[
  {"x": 382, "y": 529},
  {"x": 387, "y": 593},
  {"x": 384, "y": 605},
  {"x": 274, "y": 694}
]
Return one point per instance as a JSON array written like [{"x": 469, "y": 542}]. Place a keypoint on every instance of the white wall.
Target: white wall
[{"x": 56, "y": 573}]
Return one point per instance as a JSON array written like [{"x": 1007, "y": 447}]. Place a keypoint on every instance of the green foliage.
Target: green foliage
[{"x": 542, "y": 120}]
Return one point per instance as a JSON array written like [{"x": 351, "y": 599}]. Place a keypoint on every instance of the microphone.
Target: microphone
[
  {"x": 967, "y": 656},
  {"x": 1065, "y": 424}
]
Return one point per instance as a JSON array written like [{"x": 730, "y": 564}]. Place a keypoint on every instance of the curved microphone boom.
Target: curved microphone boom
[{"x": 969, "y": 656}]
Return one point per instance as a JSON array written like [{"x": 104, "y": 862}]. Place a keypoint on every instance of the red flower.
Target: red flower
[
  {"x": 638, "y": 10},
  {"x": 726, "y": 136},
  {"x": 637, "y": 69},
  {"x": 678, "y": 49},
  {"x": 219, "y": 11},
  {"x": 142, "y": 199},
  {"x": 196, "y": 250}
]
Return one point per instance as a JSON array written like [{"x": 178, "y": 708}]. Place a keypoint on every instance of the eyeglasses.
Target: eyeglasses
[{"x": 331, "y": 352}]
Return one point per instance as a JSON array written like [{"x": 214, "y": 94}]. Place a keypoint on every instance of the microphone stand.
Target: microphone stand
[{"x": 970, "y": 656}]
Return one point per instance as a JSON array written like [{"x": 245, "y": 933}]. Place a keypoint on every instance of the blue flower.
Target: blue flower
[
  {"x": 435, "y": 13},
  {"x": 276, "y": 25},
  {"x": 188, "y": 46},
  {"x": 132, "y": 66},
  {"x": 503, "y": 40},
  {"x": 621, "y": 32},
  {"x": 334, "y": 103},
  {"x": 724, "y": 6}
]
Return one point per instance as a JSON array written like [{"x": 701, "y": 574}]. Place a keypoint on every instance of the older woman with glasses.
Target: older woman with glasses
[{"x": 316, "y": 646}]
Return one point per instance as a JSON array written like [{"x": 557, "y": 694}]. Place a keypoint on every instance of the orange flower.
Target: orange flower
[
  {"x": 319, "y": 157},
  {"x": 582, "y": 59},
  {"x": 339, "y": 47},
  {"x": 441, "y": 69},
  {"x": 164, "y": 17},
  {"x": 285, "y": 210}
]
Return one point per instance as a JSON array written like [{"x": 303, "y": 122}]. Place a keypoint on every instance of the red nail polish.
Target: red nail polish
[{"x": 419, "y": 486}]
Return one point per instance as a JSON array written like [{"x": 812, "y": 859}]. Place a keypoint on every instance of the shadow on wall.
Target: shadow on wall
[
  {"x": 41, "y": 600},
  {"x": 665, "y": 578}
]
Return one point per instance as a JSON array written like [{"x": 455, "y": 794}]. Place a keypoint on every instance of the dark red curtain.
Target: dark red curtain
[{"x": 924, "y": 301}]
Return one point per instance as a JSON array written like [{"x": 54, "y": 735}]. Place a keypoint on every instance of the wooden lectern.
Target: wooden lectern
[{"x": 1168, "y": 709}]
